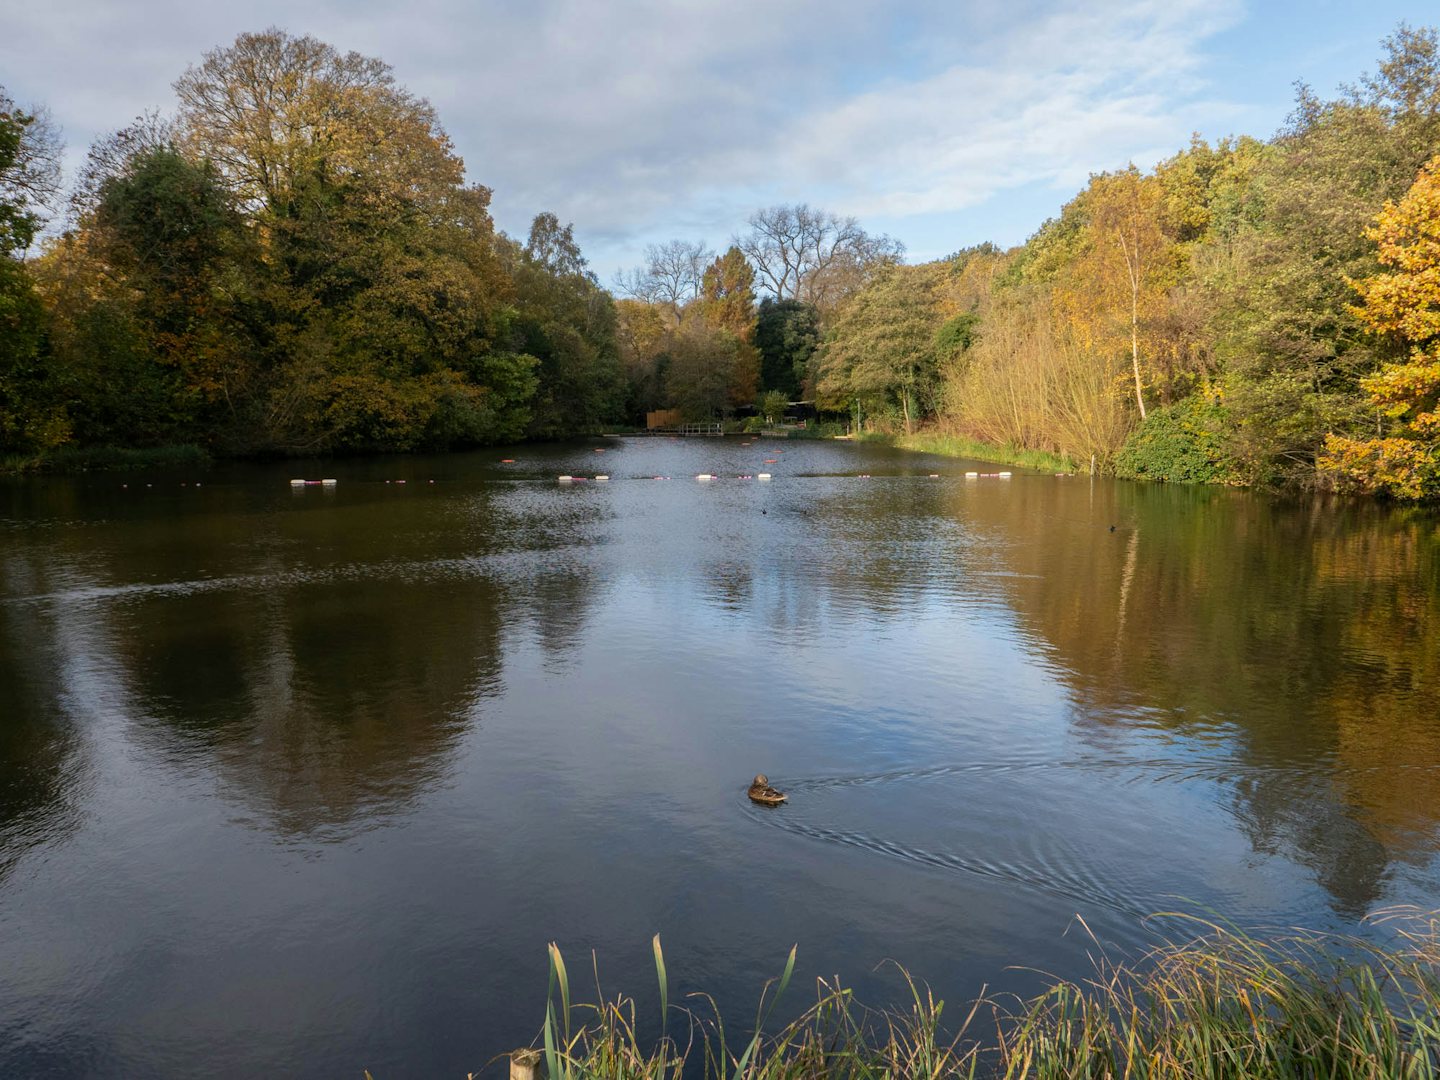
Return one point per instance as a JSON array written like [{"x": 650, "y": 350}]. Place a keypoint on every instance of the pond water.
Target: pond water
[{"x": 300, "y": 782}]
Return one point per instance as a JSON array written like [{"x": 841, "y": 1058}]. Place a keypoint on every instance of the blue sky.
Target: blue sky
[{"x": 941, "y": 122}]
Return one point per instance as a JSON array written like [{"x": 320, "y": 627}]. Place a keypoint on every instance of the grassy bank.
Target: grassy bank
[
  {"x": 1216, "y": 1003},
  {"x": 929, "y": 442},
  {"x": 69, "y": 459}
]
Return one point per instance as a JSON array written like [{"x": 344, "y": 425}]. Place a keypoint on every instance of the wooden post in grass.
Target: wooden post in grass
[{"x": 525, "y": 1065}]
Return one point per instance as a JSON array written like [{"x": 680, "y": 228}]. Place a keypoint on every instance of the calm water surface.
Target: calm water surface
[{"x": 299, "y": 783}]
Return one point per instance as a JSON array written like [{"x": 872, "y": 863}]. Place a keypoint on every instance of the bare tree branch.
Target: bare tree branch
[
  {"x": 801, "y": 253},
  {"x": 671, "y": 275},
  {"x": 29, "y": 167}
]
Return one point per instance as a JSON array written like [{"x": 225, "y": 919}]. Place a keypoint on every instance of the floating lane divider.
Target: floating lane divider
[
  {"x": 315, "y": 483},
  {"x": 702, "y": 477}
]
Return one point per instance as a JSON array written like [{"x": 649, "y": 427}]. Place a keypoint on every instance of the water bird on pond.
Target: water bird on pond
[{"x": 762, "y": 793}]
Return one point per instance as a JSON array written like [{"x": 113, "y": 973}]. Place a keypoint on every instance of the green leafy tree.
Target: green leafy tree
[
  {"x": 787, "y": 333},
  {"x": 32, "y": 413},
  {"x": 701, "y": 371},
  {"x": 881, "y": 347},
  {"x": 642, "y": 333},
  {"x": 569, "y": 324},
  {"x": 29, "y": 173},
  {"x": 772, "y": 406}
]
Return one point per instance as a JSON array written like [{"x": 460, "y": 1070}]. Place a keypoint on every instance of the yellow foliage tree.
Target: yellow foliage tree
[
  {"x": 1120, "y": 281},
  {"x": 1403, "y": 304}
]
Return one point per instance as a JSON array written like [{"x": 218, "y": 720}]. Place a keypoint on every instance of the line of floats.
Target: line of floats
[
  {"x": 603, "y": 478},
  {"x": 706, "y": 477}
]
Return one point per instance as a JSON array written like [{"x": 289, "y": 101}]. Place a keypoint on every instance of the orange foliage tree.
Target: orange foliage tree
[{"x": 1404, "y": 305}]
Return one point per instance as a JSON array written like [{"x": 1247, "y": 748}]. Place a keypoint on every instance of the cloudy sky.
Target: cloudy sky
[{"x": 941, "y": 122}]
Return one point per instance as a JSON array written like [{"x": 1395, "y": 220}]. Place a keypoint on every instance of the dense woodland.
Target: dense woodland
[{"x": 290, "y": 260}]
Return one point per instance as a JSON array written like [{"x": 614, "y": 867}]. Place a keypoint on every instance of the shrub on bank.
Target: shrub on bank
[{"x": 1182, "y": 443}]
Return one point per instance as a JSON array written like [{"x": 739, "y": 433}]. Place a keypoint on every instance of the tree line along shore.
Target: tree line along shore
[{"x": 288, "y": 259}]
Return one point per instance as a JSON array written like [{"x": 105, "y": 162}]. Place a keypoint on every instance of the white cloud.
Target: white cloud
[
  {"x": 660, "y": 119},
  {"x": 1055, "y": 99}
]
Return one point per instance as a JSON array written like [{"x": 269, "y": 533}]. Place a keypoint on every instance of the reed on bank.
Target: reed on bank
[
  {"x": 961, "y": 446},
  {"x": 1215, "y": 1002}
]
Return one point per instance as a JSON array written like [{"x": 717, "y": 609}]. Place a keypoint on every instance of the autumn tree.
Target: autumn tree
[
  {"x": 727, "y": 294},
  {"x": 274, "y": 113},
  {"x": 378, "y": 276},
  {"x": 727, "y": 307},
  {"x": 1126, "y": 270},
  {"x": 1402, "y": 305},
  {"x": 1292, "y": 349}
]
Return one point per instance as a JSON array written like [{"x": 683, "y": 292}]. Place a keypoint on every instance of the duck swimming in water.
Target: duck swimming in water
[{"x": 762, "y": 793}]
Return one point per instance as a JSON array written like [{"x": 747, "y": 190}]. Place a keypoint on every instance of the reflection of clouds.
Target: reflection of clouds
[{"x": 629, "y": 130}]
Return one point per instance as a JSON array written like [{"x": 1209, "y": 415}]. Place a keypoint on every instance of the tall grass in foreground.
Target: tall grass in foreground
[{"x": 1218, "y": 1004}]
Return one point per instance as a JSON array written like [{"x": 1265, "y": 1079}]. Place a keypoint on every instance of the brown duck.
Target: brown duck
[{"x": 762, "y": 793}]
